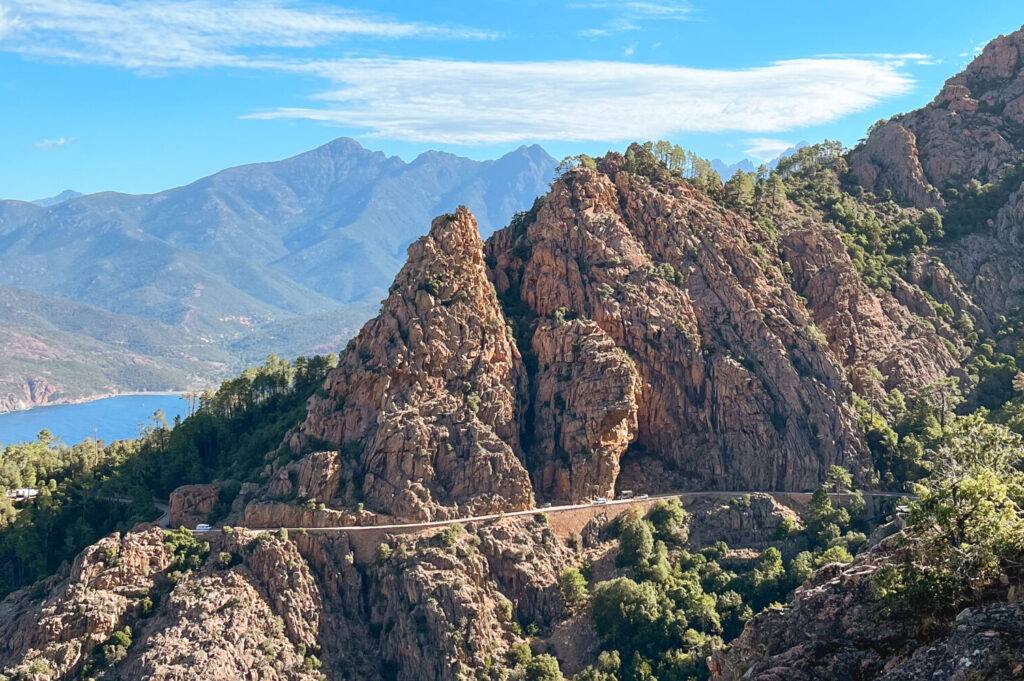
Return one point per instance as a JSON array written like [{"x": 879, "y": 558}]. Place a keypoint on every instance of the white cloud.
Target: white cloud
[
  {"x": 8, "y": 22},
  {"x": 454, "y": 102},
  {"x": 766, "y": 148},
  {"x": 159, "y": 34},
  {"x": 631, "y": 14},
  {"x": 897, "y": 58},
  {"x": 663, "y": 10},
  {"x": 58, "y": 143},
  {"x": 628, "y": 52}
]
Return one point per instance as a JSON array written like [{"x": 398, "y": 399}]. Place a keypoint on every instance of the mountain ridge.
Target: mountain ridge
[{"x": 276, "y": 245}]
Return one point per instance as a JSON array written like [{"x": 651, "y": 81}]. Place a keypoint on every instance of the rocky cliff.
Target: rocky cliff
[
  {"x": 972, "y": 131},
  {"x": 130, "y": 608},
  {"x": 629, "y": 320},
  {"x": 426, "y": 401},
  {"x": 832, "y": 629}
]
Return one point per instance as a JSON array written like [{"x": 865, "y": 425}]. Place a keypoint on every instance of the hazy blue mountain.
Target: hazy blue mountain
[
  {"x": 287, "y": 256},
  {"x": 727, "y": 170},
  {"x": 59, "y": 198}
]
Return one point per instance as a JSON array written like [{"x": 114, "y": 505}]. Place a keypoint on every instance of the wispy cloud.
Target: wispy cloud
[
  {"x": 160, "y": 34},
  {"x": 7, "y": 22},
  {"x": 456, "y": 102},
  {"x": 766, "y": 148},
  {"x": 630, "y": 15},
  {"x": 898, "y": 58},
  {"x": 664, "y": 10},
  {"x": 58, "y": 143}
]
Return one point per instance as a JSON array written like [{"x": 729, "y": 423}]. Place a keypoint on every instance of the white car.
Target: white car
[
  {"x": 644, "y": 496},
  {"x": 202, "y": 527},
  {"x": 599, "y": 501}
]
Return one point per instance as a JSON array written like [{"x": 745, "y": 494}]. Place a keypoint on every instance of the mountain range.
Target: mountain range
[
  {"x": 727, "y": 170},
  {"x": 200, "y": 280}
]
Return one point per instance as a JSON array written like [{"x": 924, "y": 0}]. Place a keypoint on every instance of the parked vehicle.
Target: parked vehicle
[
  {"x": 599, "y": 501},
  {"x": 546, "y": 505},
  {"x": 626, "y": 494},
  {"x": 644, "y": 496},
  {"x": 202, "y": 527}
]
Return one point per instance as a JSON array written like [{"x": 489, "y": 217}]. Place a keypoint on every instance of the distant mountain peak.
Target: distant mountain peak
[
  {"x": 65, "y": 195},
  {"x": 727, "y": 170}
]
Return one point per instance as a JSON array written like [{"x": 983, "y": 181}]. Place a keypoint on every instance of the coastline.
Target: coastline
[{"x": 62, "y": 402}]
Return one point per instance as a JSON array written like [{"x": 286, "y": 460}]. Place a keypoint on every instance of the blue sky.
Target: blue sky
[{"x": 141, "y": 96}]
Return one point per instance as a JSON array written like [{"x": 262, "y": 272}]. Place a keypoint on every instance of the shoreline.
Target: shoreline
[{"x": 94, "y": 398}]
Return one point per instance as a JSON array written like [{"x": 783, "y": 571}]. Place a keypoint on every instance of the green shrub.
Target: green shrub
[{"x": 573, "y": 587}]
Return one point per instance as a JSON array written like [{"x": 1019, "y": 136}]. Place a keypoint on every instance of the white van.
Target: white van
[{"x": 202, "y": 527}]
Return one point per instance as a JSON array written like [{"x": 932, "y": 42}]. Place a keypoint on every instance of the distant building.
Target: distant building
[{"x": 21, "y": 494}]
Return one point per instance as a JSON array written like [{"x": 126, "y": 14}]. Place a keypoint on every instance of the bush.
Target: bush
[
  {"x": 187, "y": 550},
  {"x": 835, "y": 554},
  {"x": 543, "y": 668},
  {"x": 519, "y": 654},
  {"x": 636, "y": 541},
  {"x": 450, "y": 535},
  {"x": 383, "y": 553},
  {"x": 573, "y": 587},
  {"x": 906, "y": 590},
  {"x": 668, "y": 519},
  {"x": 146, "y": 606}
]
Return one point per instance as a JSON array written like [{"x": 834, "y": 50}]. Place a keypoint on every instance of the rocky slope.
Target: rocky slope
[
  {"x": 257, "y": 606},
  {"x": 248, "y": 620},
  {"x": 626, "y": 320},
  {"x": 831, "y": 630},
  {"x": 972, "y": 130},
  {"x": 427, "y": 396}
]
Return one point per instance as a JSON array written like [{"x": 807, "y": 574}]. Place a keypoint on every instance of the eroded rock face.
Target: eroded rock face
[
  {"x": 890, "y": 161},
  {"x": 584, "y": 401},
  {"x": 736, "y": 390},
  {"x": 971, "y": 128},
  {"x": 626, "y": 319},
  {"x": 83, "y": 609},
  {"x": 247, "y": 618},
  {"x": 192, "y": 504},
  {"x": 426, "y": 399},
  {"x": 751, "y": 521},
  {"x": 831, "y": 631},
  {"x": 871, "y": 334},
  {"x": 988, "y": 262}
]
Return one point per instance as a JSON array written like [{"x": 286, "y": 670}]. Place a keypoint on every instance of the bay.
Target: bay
[{"x": 111, "y": 418}]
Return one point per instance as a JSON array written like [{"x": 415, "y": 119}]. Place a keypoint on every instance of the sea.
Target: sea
[{"x": 110, "y": 418}]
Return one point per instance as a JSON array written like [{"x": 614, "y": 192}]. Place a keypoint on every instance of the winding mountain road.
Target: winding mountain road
[{"x": 412, "y": 527}]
